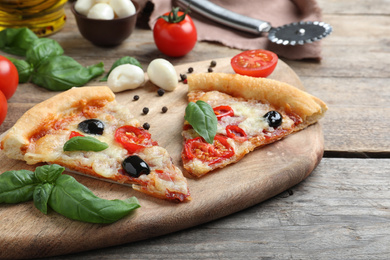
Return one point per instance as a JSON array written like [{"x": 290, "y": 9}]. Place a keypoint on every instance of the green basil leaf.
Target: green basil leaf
[
  {"x": 60, "y": 73},
  {"x": 203, "y": 119},
  {"x": 41, "y": 196},
  {"x": 17, "y": 186},
  {"x": 16, "y": 40},
  {"x": 48, "y": 173},
  {"x": 75, "y": 201},
  {"x": 24, "y": 69},
  {"x": 42, "y": 49},
  {"x": 121, "y": 61},
  {"x": 84, "y": 143}
]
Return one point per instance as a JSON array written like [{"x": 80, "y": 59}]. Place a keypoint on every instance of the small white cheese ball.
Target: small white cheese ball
[
  {"x": 122, "y": 8},
  {"x": 83, "y": 6},
  {"x": 162, "y": 73},
  {"x": 124, "y": 77},
  {"x": 101, "y": 11}
]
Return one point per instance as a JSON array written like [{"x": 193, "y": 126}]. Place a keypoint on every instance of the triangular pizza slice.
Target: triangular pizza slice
[
  {"x": 87, "y": 131},
  {"x": 251, "y": 112}
]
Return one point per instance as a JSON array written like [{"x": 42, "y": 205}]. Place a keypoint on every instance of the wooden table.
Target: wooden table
[{"x": 342, "y": 210}]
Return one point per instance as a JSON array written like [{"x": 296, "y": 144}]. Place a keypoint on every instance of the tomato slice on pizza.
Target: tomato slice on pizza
[
  {"x": 251, "y": 112},
  {"x": 87, "y": 131}
]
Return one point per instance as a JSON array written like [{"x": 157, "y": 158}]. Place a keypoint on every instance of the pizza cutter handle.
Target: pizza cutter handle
[{"x": 223, "y": 16}]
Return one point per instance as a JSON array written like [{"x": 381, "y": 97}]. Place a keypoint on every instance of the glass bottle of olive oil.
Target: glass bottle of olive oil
[{"x": 43, "y": 17}]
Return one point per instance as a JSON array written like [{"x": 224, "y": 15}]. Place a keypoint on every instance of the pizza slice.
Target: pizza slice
[
  {"x": 251, "y": 112},
  {"x": 87, "y": 131}
]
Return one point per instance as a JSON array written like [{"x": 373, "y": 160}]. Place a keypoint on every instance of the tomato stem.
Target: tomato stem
[{"x": 173, "y": 16}]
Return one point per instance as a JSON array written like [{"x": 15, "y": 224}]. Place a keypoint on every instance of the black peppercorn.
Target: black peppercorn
[
  {"x": 164, "y": 109},
  {"x": 160, "y": 92},
  {"x": 146, "y": 126},
  {"x": 213, "y": 63},
  {"x": 136, "y": 97},
  {"x": 190, "y": 69},
  {"x": 145, "y": 110}
]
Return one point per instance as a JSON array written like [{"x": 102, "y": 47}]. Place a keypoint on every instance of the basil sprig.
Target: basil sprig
[
  {"x": 121, "y": 61},
  {"x": 46, "y": 65},
  {"x": 47, "y": 186},
  {"x": 202, "y": 118},
  {"x": 84, "y": 143}
]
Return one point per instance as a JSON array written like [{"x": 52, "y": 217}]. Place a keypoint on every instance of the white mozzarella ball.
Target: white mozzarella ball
[
  {"x": 124, "y": 77},
  {"x": 101, "y": 11},
  {"x": 83, "y": 6},
  {"x": 162, "y": 73},
  {"x": 123, "y": 8}
]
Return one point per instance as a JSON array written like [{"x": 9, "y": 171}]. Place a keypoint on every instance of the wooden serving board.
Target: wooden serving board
[{"x": 27, "y": 233}]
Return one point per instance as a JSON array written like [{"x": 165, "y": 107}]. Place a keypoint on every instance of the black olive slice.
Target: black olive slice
[
  {"x": 135, "y": 166},
  {"x": 274, "y": 118},
  {"x": 91, "y": 126}
]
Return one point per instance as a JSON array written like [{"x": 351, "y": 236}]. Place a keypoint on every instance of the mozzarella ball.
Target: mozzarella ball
[
  {"x": 101, "y": 11},
  {"x": 162, "y": 73},
  {"x": 83, "y": 6},
  {"x": 124, "y": 77},
  {"x": 123, "y": 8}
]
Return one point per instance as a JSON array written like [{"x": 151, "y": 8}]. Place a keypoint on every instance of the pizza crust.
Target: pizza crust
[
  {"x": 278, "y": 94},
  {"x": 18, "y": 137}
]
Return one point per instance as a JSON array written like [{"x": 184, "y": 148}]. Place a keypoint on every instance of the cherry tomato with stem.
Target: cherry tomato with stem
[
  {"x": 254, "y": 63},
  {"x": 175, "y": 33},
  {"x": 9, "y": 77}
]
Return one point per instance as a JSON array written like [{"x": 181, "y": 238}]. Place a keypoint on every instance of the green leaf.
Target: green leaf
[
  {"x": 41, "y": 196},
  {"x": 60, "y": 73},
  {"x": 203, "y": 119},
  {"x": 48, "y": 173},
  {"x": 25, "y": 70},
  {"x": 42, "y": 49},
  {"x": 16, "y": 40},
  {"x": 174, "y": 17},
  {"x": 84, "y": 143},
  {"x": 75, "y": 201},
  {"x": 17, "y": 186},
  {"x": 121, "y": 61}
]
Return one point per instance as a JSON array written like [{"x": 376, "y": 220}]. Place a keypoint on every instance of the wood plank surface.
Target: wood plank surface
[
  {"x": 25, "y": 232},
  {"x": 341, "y": 211}
]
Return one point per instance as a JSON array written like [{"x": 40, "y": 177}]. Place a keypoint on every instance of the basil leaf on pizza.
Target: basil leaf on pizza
[
  {"x": 202, "y": 118},
  {"x": 84, "y": 143}
]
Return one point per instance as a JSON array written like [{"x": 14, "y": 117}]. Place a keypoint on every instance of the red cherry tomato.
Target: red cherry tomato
[
  {"x": 236, "y": 132},
  {"x": 3, "y": 107},
  {"x": 210, "y": 153},
  {"x": 133, "y": 138},
  {"x": 173, "y": 35},
  {"x": 222, "y": 111},
  {"x": 74, "y": 134},
  {"x": 254, "y": 63},
  {"x": 9, "y": 77}
]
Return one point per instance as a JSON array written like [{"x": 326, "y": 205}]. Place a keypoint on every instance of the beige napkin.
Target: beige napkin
[{"x": 276, "y": 12}]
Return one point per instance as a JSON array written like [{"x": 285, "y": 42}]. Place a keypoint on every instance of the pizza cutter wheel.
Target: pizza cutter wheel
[{"x": 297, "y": 33}]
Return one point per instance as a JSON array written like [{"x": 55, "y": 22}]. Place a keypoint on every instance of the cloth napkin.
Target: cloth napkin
[{"x": 276, "y": 12}]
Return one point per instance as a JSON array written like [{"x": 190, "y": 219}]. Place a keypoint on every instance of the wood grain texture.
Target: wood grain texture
[
  {"x": 25, "y": 232},
  {"x": 341, "y": 211}
]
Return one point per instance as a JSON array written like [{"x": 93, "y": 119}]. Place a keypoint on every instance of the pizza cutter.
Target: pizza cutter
[{"x": 297, "y": 33}]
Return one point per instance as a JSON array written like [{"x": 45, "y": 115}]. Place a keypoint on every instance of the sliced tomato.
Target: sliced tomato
[
  {"x": 74, "y": 134},
  {"x": 209, "y": 153},
  {"x": 222, "y": 111},
  {"x": 254, "y": 63},
  {"x": 133, "y": 138},
  {"x": 237, "y": 133}
]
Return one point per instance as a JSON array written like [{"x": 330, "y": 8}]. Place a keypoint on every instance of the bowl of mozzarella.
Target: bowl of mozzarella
[{"x": 105, "y": 22}]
